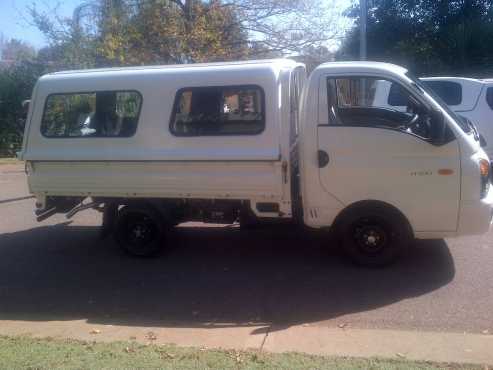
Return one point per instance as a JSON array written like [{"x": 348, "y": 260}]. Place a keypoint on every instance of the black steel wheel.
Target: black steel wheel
[
  {"x": 139, "y": 231},
  {"x": 373, "y": 237}
]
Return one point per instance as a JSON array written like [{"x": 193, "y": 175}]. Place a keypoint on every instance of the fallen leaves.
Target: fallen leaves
[
  {"x": 151, "y": 336},
  {"x": 237, "y": 356}
]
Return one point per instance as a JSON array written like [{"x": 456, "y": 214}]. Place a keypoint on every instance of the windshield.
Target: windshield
[{"x": 423, "y": 88}]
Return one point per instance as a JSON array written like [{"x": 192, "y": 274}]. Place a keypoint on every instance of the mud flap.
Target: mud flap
[{"x": 110, "y": 214}]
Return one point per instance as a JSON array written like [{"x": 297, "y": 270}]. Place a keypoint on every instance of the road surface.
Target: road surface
[{"x": 221, "y": 277}]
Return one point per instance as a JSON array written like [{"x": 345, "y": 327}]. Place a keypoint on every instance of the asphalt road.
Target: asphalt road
[{"x": 221, "y": 276}]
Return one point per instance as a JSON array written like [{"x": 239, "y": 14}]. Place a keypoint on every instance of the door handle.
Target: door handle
[{"x": 323, "y": 158}]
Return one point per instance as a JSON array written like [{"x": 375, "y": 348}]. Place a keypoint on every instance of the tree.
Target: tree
[
  {"x": 15, "y": 50},
  {"x": 429, "y": 36},
  {"x": 313, "y": 56},
  {"x": 16, "y": 85},
  {"x": 129, "y": 32}
]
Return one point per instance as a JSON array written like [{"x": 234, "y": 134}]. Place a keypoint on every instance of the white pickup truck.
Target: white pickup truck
[{"x": 152, "y": 147}]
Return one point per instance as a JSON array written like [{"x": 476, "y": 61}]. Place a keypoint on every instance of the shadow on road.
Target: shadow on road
[{"x": 212, "y": 277}]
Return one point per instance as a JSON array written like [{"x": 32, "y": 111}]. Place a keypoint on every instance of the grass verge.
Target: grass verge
[
  {"x": 9, "y": 161},
  {"x": 26, "y": 352}
]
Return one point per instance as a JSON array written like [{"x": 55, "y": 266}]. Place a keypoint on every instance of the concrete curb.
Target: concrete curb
[
  {"x": 413, "y": 345},
  {"x": 317, "y": 340}
]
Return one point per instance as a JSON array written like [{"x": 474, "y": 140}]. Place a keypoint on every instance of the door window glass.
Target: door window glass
[
  {"x": 210, "y": 111},
  {"x": 362, "y": 101}
]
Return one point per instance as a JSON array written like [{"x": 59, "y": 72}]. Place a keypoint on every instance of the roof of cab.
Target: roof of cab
[
  {"x": 452, "y": 78},
  {"x": 362, "y": 66},
  {"x": 247, "y": 65}
]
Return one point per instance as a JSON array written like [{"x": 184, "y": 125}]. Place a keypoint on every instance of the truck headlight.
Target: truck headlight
[{"x": 484, "y": 170}]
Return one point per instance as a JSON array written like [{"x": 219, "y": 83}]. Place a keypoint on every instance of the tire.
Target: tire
[
  {"x": 374, "y": 236},
  {"x": 139, "y": 231}
]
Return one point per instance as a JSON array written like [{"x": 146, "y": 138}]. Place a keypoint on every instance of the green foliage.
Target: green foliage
[
  {"x": 16, "y": 85},
  {"x": 136, "y": 32},
  {"x": 432, "y": 37},
  {"x": 61, "y": 116},
  {"x": 16, "y": 50}
]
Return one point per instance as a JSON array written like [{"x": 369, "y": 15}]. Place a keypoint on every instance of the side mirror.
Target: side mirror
[
  {"x": 438, "y": 128},
  {"x": 25, "y": 106},
  {"x": 482, "y": 141}
]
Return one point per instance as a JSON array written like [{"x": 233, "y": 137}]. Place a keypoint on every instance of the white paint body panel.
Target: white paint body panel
[
  {"x": 365, "y": 163},
  {"x": 405, "y": 177},
  {"x": 389, "y": 166},
  {"x": 154, "y": 162}
]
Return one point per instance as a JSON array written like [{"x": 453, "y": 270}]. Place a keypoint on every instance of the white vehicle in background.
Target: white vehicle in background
[
  {"x": 152, "y": 147},
  {"x": 468, "y": 97}
]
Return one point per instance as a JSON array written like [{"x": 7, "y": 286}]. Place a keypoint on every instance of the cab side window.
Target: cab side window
[{"x": 363, "y": 101}]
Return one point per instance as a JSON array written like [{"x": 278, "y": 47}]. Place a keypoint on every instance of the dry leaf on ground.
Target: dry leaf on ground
[{"x": 151, "y": 336}]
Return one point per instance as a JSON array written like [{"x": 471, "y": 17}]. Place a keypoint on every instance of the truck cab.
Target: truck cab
[{"x": 418, "y": 164}]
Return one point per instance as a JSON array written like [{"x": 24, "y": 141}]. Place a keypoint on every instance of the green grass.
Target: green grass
[
  {"x": 9, "y": 161},
  {"x": 30, "y": 353}
]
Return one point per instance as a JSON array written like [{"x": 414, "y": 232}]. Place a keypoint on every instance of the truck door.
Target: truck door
[{"x": 373, "y": 152}]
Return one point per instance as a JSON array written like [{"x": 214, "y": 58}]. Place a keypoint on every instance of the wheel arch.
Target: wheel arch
[{"x": 363, "y": 205}]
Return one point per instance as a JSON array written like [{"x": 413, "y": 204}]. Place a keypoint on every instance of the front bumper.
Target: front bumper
[{"x": 476, "y": 216}]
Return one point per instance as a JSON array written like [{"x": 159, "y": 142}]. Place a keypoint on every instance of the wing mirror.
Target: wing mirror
[
  {"x": 482, "y": 141},
  {"x": 439, "y": 128}
]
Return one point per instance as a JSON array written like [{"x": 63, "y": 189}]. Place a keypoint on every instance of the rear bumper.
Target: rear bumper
[{"x": 476, "y": 216}]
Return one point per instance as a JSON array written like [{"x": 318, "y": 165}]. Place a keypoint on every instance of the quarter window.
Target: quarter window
[
  {"x": 489, "y": 97},
  {"x": 94, "y": 114},
  {"x": 226, "y": 110}
]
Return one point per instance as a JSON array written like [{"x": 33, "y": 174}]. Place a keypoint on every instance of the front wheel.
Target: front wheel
[
  {"x": 374, "y": 237},
  {"x": 139, "y": 231}
]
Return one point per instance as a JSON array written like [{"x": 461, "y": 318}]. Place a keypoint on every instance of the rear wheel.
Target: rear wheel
[
  {"x": 139, "y": 231},
  {"x": 374, "y": 237}
]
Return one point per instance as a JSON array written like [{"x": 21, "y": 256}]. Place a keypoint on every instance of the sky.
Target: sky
[
  {"x": 13, "y": 16},
  {"x": 14, "y": 24}
]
